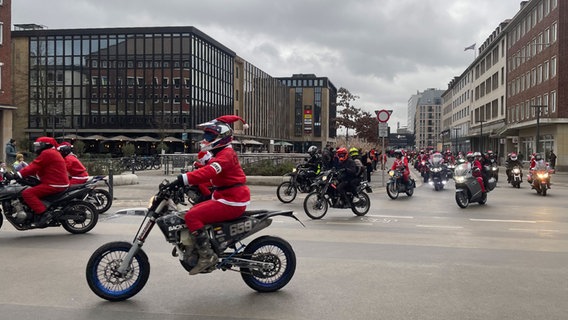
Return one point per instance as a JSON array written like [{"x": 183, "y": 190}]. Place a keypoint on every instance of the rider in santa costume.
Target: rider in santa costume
[{"x": 230, "y": 196}]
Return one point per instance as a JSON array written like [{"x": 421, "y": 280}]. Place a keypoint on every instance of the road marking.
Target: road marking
[
  {"x": 349, "y": 223},
  {"x": 385, "y": 216},
  {"x": 532, "y": 230},
  {"x": 438, "y": 226},
  {"x": 497, "y": 220}
]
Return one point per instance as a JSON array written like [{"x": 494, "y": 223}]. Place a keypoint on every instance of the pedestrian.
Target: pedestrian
[
  {"x": 552, "y": 159},
  {"x": 19, "y": 164},
  {"x": 11, "y": 151}
]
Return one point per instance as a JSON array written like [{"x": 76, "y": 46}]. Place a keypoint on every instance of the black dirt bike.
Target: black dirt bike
[
  {"x": 119, "y": 270},
  {"x": 301, "y": 179},
  {"x": 68, "y": 209},
  {"x": 326, "y": 195}
]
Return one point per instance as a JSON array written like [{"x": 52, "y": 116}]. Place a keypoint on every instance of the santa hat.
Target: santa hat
[
  {"x": 232, "y": 118},
  {"x": 65, "y": 143}
]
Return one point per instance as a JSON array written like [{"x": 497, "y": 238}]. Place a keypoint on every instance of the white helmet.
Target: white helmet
[
  {"x": 217, "y": 133},
  {"x": 312, "y": 150}
]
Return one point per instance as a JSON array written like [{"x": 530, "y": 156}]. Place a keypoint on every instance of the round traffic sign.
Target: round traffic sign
[{"x": 383, "y": 115}]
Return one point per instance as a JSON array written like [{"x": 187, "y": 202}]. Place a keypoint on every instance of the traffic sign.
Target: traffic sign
[
  {"x": 383, "y": 130},
  {"x": 383, "y": 115}
]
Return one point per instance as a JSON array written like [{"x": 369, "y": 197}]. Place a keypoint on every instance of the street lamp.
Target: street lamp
[
  {"x": 538, "y": 125},
  {"x": 481, "y": 135},
  {"x": 456, "y": 129}
]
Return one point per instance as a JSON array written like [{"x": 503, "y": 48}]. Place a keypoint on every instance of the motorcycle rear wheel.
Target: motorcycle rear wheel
[
  {"x": 462, "y": 199},
  {"x": 104, "y": 279},
  {"x": 315, "y": 205},
  {"x": 286, "y": 192},
  {"x": 85, "y": 217},
  {"x": 276, "y": 251},
  {"x": 361, "y": 204}
]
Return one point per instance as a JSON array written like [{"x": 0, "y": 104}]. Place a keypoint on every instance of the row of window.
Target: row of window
[
  {"x": 546, "y": 103},
  {"x": 543, "y": 72},
  {"x": 534, "y": 47},
  {"x": 542, "y": 10}
]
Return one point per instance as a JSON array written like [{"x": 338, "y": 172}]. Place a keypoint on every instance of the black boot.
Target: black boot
[
  {"x": 207, "y": 258},
  {"x": 44, "y": 219}
]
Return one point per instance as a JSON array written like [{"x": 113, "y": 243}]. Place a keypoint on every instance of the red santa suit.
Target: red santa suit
[
  {"x": 230, "y": 196},
  {"x": 402, "y": 163},
  {"x": 77, "y": 172},
  {"x": 477, "y": 173},
  {"x": 203, "y": 158},
  {"x": 50, "y": 168}
]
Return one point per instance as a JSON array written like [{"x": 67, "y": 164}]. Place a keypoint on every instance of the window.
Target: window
[
  {"x": 552, "y": 101},
  {"x": 165, "y": 82},
  {"x": 177, "y": 83},
  {"x": 545, "y": 71},
  {"x": 1, "y": 30},
  {"x": 130, "y": 81},
  {"x": 553, "y": 67}
]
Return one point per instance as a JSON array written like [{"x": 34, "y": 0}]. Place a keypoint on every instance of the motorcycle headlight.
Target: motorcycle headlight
[
  {"x": 516, "y": 171},
  {"x": 294, "y": 170},
  {"x": 494, "y": 168},
  {"x": 324, "y": 178},
  {"x": 542, "y": 175},
  {"x": 391, "y": 173},
  {"x": 459, "y": 179},
  {"x": 436, "y": 169}
]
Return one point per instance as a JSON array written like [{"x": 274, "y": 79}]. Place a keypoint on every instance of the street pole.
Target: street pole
[{"x": 537, "y": 140}]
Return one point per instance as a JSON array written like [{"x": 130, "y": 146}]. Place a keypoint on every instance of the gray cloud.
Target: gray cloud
[{"x": 382, "y": 50}]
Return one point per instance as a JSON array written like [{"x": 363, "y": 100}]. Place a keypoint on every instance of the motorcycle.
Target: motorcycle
[
  {"x": 493, "y": 170},
  {"x": 438, "y": 175},
  {"x": 450, "y": 170},
  {"x": 468, "y": 188},
  {"x": 117, "y": 271},
  {"x": 325, "y": 195},
  {"x": 516, "y": 176},
  {"x": 424, "y": 171},
  {"x": 396, "y": 184},
  {"x": 100, "y": 198},
  {"x": 541, "y": 179},
  {"x": 68, "y": 209},
  {"x": 301, "y": 179}
]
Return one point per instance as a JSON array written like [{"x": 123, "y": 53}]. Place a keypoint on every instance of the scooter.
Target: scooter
[{"x": 468, "y": 188}]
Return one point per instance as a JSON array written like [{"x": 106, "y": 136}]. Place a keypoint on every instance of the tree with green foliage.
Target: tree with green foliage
[{"x": 350, "y": 117}]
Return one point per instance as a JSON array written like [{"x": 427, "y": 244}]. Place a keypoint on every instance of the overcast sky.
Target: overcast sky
[{"x": 384, "y": 51}]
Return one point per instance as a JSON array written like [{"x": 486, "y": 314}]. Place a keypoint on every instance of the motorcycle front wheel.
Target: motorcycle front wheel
[
  {"x": 315, "y": 205},
  {"x": 79, "y": 217},
  {"x": 462, "y": 200},
  {"x": 392, "y": 190},
  {"x": 361, "y": 204},
  {"x": 286, "y": 192},
  {"x": 103, "y": 276},
  {"x": 280, "y": 264},
  {"x": 101, "y": 199}
]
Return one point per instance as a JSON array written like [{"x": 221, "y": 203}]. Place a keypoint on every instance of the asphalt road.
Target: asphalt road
[{"x": 419, "y": 257}]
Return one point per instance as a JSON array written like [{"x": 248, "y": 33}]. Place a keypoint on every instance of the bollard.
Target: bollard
[
  {"x": 110, "y": 181},
  {"x": 132, "y": 163}
]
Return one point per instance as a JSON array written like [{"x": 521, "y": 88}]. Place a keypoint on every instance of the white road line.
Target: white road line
[
  {"x": 349, "y": 223},
  {"x": 532, "y": 230},
  {"x": 497, "y": 220},
  {"x": 438, "y": 226},
  {"x": 385, "y": 216}
]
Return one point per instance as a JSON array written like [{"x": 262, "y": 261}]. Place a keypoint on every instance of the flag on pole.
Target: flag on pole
[{"x": 472, "y": 47}]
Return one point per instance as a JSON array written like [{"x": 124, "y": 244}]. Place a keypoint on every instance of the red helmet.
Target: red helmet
[{"x": 342, "y": 154}]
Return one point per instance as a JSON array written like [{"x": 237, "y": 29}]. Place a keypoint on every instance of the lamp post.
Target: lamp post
[
  {"x": 481, "y": 135},
  {"x": 537, "y": 140},
  {"x": 456, "y": 129}
]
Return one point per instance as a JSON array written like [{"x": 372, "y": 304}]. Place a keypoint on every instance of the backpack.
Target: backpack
[{"x": 360, "y": 167}]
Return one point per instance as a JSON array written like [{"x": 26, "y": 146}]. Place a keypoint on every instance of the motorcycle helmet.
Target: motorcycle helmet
[
  {"x": 312, "y": 150},
  {"x": 353, "y": 152},
  {"x": 217, "y": 133},
  {"x": 513, "y": 156},
  {"x": 65, "y": 148},
  {"x": 398, "y": 153},
  {"x": 477, "y": 154},
  {"x": 43, "y": 143},
  {"x": 469, "y": 156},
  {"x": 342, "y": 154},
  {"x": 537, "y": 157}
]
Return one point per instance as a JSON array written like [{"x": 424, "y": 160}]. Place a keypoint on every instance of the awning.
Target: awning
[
  {"x": 252, "y": 142},
  {"x": 172, "y": 139},
  {"x": 283, "y": 143},
  {"x": 120, "y": 138},
  {"x": 146, "y": 139},
  {"x": 236, "y": 142},
  {"x": 96, "y": 137},
  {"x": 70, "y": 137}
]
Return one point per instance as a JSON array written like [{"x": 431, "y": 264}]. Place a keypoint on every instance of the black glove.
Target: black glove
[
  {"x": 11, "y": 176},
  {"x": 178, "y": 182}
]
